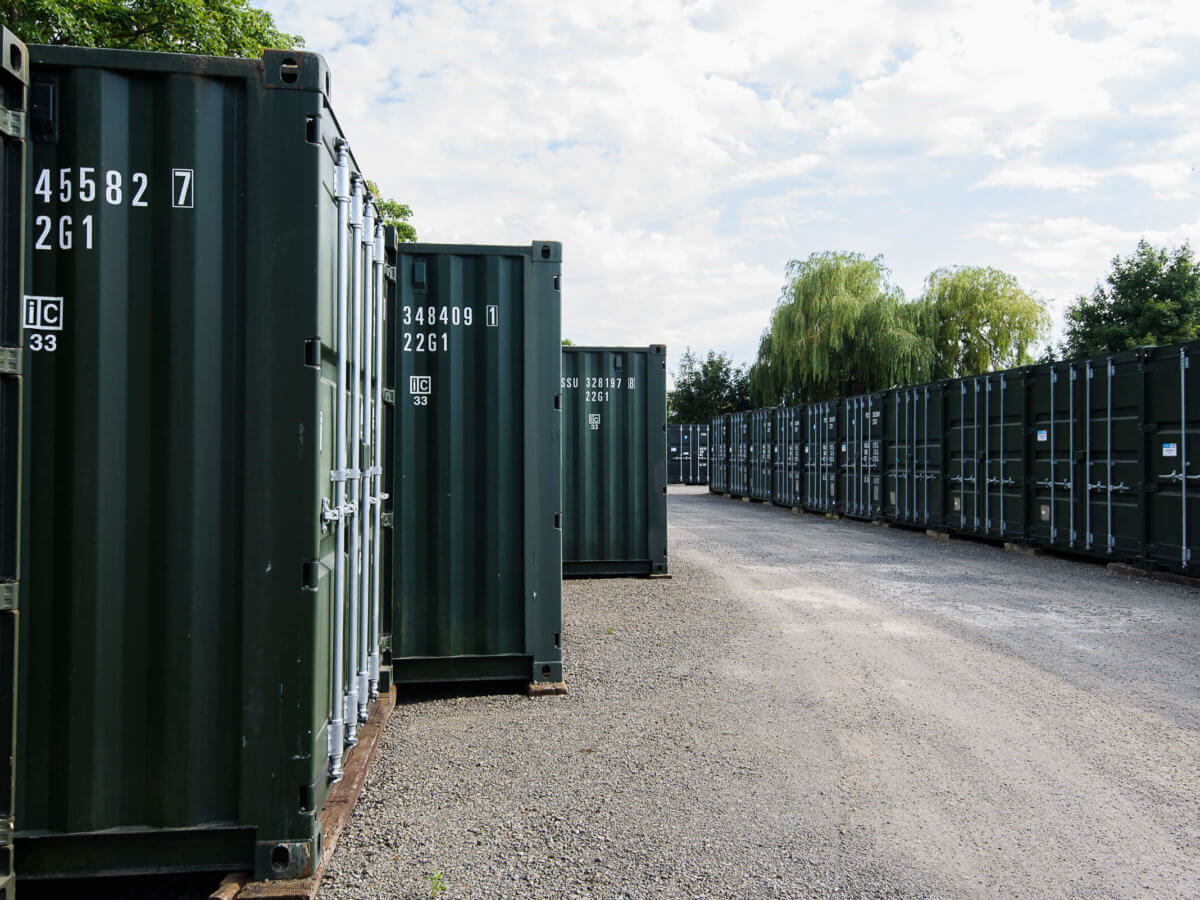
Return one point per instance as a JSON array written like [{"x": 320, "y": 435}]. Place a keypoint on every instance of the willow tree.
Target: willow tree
[
  {"x": 840, "y": 327},
  {"x": 978, "y": 319}
]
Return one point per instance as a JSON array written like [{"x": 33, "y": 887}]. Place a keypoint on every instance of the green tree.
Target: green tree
[
  {"x": 210, "y": 27},
  {"x": 1150, "y": 297},
  {"x": 567, "y": 342},
  {"x": 707, "y": 387},
  {"x": 976, "y": 320},
  {"x": 395, "y": 214},
  {"x": 840, "y": 327}
]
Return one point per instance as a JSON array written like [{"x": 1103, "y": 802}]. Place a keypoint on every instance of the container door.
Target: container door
[
  {"x": 1055, "y": 417},
  {"x": 1172, "y": 440},
  {"x": 875, "y": 417},
  {"x": 1114, "y": 456}
]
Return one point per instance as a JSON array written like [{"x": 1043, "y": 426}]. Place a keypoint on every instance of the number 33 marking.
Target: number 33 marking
[{"x": 39, "y": 341}]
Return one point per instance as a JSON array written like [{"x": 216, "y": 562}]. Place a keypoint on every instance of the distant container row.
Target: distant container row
[
  {"x": 259, "y": 461},
  {"x": 1097, "y": 457}
]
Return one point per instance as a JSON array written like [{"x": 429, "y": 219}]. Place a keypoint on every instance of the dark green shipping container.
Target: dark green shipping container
[
  {"x": 477, "y": 570},
  {"x": 14, "y": 76},
  {"x": 197, "y": 237},
  {"x": 718, "y": 464},
  {"x": 614, "y": 472},
  {"x": 739, "y": 454}
]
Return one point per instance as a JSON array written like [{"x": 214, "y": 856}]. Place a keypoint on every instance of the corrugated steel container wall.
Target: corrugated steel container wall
[
  {"x": 913, "y": 430},
  {"x": 762, "y": 451},
  {"x": 14, "y": 76},
  {"x": 821, "y": 463},
  {"x": 739, "y": 459},
  {"x": 180, "y": 367},
  {"x": 861, "y": 430},
  {"x": 477, "y": 567},
  {"x": 614, "y": 460}
]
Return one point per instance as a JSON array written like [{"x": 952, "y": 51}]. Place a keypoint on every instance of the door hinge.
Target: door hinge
[
  {"x": 386, "y": 520},
  {"x": 10, "y": 360},
  {"x": 12, "y": 122}
]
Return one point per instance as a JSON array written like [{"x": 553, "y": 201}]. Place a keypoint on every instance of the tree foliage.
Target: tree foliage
[
  {"x": 211, "y": 27},
  {"x": 1150, "y": 297},
  {"x": 840, "y": 327},
  {"x": 976, "y": 320},
  {"x": 707, "y": 387},
  {"x": 395, "y": 214}
]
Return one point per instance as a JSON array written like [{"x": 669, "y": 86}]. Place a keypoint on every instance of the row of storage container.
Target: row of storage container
[
  {"x": 259, "y": 461},
  {"x": 687, "y": 454},
  {"x": 1093, "y": 457}
]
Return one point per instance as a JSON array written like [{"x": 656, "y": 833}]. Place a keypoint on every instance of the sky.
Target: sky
[{"x": 684, "y": 152}]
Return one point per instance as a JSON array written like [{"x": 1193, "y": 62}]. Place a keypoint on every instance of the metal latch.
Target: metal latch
[
  {"x": 386, "y": 520},
  {"x": 389, "y": 396},
  {"x": 8, "y": 595},
  {"x": 10, "y": 360},
  {"x": 12, "y": 122}
]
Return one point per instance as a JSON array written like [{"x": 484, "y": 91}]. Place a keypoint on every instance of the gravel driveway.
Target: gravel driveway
[{"x": 813, "y": 707}]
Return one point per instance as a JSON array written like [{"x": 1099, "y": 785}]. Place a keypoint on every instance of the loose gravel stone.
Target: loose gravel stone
[{"x": 812, "y": 708}]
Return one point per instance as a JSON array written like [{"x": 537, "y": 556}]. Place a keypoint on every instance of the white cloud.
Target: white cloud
[{"x": 685, "y": 151}]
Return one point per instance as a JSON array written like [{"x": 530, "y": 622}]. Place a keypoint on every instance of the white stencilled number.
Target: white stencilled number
[
  {"x": 181, "y": 181},
  {"x": 87, "y": 184},
  {"x": 45, "y": 223},
  {"x": 408, "y": 342},
  {"x": 64, "y": 185},
  {"x": 467, "y": 315},
  {"x": 112, "y": 187},
  {"x": 420, "y": 400},
  {"x": 65, "y": 233},
  {"x": 48, "y": 342},
  {"x": 43, "y": 186},
  {"x": 141, "y": 180}
]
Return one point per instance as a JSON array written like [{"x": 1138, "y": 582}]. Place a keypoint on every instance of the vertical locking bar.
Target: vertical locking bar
[
  {"x": 377, "y": 469},
  {"x": 1087, "y": 455},
  {"x": 1002, "y": 521},
  {"x": 356, "y": 294},
  {"x": 337, "y": 722},
  {"x": 987, "y": 454},
  {"x": 1112, "y": 542},
  {"x": 365, "y": 519},
  {"x": 1071, "y": 447},
  {"x": 962, "y": 455},
  {"x": 1185, "y": 552},
  {"x": 1053, "y": 499}
]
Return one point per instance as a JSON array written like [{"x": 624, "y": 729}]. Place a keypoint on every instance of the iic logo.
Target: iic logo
[
  {"x": 43, "y": 313},
  {"x": 420, "y": 384},
  {"x": 594, "y": 421}
]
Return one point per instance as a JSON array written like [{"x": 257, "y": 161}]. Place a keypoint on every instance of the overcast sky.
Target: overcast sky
[{"x": 683, "y": 152}]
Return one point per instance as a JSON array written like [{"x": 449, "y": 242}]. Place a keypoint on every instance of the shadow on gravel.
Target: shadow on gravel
[
  {"x": 143, "y": 887},
  {"x": 406, "y": 695}
]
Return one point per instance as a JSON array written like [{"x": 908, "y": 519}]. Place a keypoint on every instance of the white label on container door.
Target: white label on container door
[
  {"x": 42, "y": 314},
  {"x": 1170, "y": 449},
  {"x": 1043, "y": 435},
  {"x": 419, "y": 388}
]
